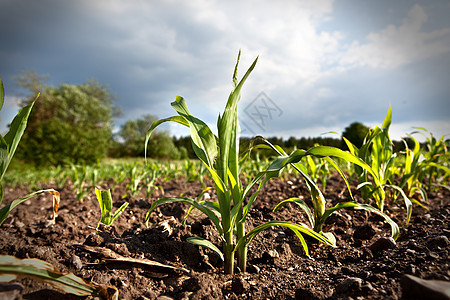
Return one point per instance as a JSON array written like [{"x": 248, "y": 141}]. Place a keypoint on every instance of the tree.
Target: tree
[
  {"x": 69, "y": 124},
  {"x": 356, "y": 133},
  {"x": 133, "y": 134}
]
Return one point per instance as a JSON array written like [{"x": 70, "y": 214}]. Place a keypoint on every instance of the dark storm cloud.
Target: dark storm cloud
[{"x": 322, "y": 62}]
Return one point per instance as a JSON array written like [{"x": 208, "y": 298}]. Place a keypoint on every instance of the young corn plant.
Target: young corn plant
[
  {"x": 412, "y": 174},
  {"x": 377, "y": 152},
  {"x": 105, "y": 200},
  {"x": 8, "y": 146},
  {"x": 319, "y": 214},
  {"x": 136, "y": 176},
  {"x": 435, "y": 161},
  {"x": 220, "y": 155}
]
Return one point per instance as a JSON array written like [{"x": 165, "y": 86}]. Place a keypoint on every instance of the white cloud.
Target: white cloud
[{"x": 398, "y": 45}]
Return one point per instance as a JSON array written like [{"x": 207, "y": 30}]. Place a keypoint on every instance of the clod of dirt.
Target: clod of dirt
[
  {"x": 435, "y": 243},
  {"x": 305, "y": 294},
  {"x": 349, "y": 284},
  {"x": 364, "y": 232},
  {"x": 93, "y": 240},
  {"x": 382, "y": 244},
  {"x": 239, "y": 285}
]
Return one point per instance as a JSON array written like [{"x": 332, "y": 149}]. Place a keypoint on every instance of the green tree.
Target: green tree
[
  {"x": 69, "y": 124},
  {"x": 356, "y": 133},
  {"x": 133, "y": 134}
]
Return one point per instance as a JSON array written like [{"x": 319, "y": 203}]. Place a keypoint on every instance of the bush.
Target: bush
[{"x": 69, "y": 124}]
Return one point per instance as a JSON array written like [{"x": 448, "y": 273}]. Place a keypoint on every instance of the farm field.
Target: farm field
[
  {"x": 368, "y": 221},
  {"x": 277, "y": 265}
]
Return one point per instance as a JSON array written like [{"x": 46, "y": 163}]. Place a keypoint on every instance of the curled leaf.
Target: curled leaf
[{"x": 14, "y": 268}]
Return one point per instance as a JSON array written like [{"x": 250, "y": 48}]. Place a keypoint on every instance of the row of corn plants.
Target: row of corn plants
[
  {"x": 220, "y": 155},
  {"x": 408, "y": 174}
]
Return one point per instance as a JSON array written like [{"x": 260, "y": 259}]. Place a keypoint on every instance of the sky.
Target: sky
[{"x": 321, "y": 64}]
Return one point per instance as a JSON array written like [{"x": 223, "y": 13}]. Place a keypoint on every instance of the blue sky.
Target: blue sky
[{"x": 322, "y": 64}]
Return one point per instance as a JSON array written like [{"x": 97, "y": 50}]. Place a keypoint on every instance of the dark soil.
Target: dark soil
[{"x": 277, "y": 269}]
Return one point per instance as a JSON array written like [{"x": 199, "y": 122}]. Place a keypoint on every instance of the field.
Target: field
[
  {"x": 278, "y": 267},
  {"x": 364, "y": 222}
]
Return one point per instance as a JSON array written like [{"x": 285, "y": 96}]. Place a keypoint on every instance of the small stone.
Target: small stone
[
  {"x": 382, "y": 244},
  {"x": 410, "y": 251},
  {"x": 416, "y": 288},
  {"x": 76, "y": 261},
  {"x": 426, "y": 217},
  {"x": 364, "y": 232},
  {"x": 239, "y": 285},
  {"x": 348, "y": 285}
]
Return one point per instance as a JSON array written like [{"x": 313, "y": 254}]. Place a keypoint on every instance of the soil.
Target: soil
[{"x": 277, "y": 265}]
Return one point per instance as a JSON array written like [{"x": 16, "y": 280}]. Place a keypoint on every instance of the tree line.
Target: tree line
[{"x": 73, "y": 124}]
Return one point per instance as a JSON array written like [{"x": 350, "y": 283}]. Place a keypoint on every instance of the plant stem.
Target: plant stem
[
  {"x": 242, "y": 250},
  {"x": 228, "y": 252}
]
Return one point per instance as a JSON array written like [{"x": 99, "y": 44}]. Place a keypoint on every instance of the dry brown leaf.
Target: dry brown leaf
[{"x": 111, "y": 256}]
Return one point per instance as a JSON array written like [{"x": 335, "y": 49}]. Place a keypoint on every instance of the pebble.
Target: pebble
[
  {"x": 416, "y": 288},
  {"x": 253, "y": 269},
  {"x": 382, "y": 244},
  {"x": 76, "y": 261}
]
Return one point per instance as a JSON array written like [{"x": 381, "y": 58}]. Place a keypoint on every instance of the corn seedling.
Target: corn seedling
[
  {"x": 377, "y": 151},
  {"x": 319, "y": 215},
  {"x": 135, "y": 177},
  {"x": 220, "y": 155},
  {"x": 436, "y": 161},
  {"x": 105, "y": 200}
]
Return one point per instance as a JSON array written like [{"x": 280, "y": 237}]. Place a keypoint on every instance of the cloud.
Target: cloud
[
  {"x": 398, "y": 45},
  {"x": 148, "y": 52}
]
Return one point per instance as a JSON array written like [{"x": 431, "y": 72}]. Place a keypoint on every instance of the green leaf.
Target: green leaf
[
  {"x": 408, "y": 203},
  {"x": 178, "y": 119},
  {"x": 14, "y": 268},
  {"x": 387, "y": 120},
  {"x": 294, "y": 227},
  {"x": 105, "y": 200},
  {"x": 119, "y": 211},
  {"x": 203, "y": 140},
  {"x": 198, "y": 241},
  {"x": 302, "y": 205},
  {"x": 16, "y": 130},
  {"x": 395, "y": 229},
  {"x": 338, "y": 206}
]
